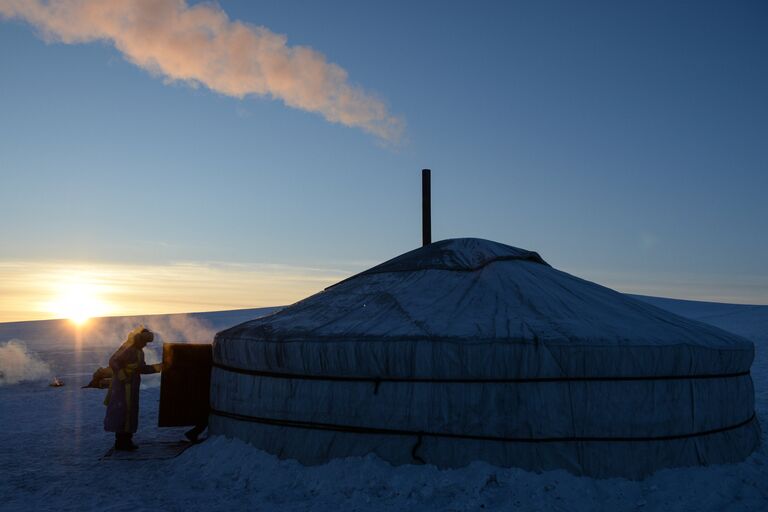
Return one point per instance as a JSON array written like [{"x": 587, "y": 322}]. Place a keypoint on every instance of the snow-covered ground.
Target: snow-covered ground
[{"x": 51, "y": 440}]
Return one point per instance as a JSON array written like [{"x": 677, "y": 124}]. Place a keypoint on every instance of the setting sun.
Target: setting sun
[{"x": 78, "y": 302}]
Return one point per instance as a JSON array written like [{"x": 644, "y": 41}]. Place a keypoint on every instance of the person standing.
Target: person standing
[{"x": 122, "y": 401}]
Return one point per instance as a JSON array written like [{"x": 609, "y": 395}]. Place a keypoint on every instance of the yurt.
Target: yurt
[{"x": 467, "y": 350}]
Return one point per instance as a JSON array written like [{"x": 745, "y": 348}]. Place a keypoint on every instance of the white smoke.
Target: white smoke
[
  {"x": 18, "y": 364},
  {"x": 199, "y": 44},
  {"x": 175, "y": 328},
  {"x": 107, "y": 334},
  {"x": 181, "y": 328},
  {"x": 172, "y": 328}
]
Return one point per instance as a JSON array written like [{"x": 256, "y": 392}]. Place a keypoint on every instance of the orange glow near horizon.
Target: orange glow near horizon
[
  {"x": 42, "y": 290},
  {"x": 78, "y": 291},
  {"x": 78, "y": 301}
]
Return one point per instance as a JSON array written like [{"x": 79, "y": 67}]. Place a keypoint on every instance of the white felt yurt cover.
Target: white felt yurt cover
[{"x": 468, "y": 349}]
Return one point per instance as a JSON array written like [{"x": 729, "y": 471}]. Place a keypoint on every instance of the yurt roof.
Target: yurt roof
[{"x": 471, "y": 290}]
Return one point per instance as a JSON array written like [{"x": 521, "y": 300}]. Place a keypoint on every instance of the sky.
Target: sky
[{"x": 170, "y": 156}]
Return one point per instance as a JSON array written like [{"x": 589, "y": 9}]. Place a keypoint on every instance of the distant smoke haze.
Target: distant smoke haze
[
  {"x": 171, "y": 328},
  {"x": 19, "y": 364},
  {"x": 199, "y": 44},
  {"x": 104, "y": 335}
]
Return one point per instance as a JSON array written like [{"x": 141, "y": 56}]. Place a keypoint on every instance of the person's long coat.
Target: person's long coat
[{"x": 122, "y": 400}]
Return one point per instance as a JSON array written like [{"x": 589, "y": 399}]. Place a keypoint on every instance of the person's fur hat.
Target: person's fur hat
[{"x": 141, "y": 335}]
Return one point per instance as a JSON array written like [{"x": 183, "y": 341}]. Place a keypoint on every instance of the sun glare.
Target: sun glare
[{"x": 78, "y": 302}]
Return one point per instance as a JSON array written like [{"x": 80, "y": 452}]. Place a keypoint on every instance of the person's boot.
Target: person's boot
[
  {"x": 124, "y": 443},
  {"x": 119, "y": 442},
  {"x": 129, "y": 442}
]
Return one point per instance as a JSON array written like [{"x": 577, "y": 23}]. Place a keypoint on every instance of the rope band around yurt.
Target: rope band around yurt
[
  {"x": 421, "y": 434},
  {"x": 377, "y": 381}
]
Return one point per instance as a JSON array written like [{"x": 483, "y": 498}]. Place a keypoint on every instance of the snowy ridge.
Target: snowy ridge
[
  {"x": 106, "y": 331},
  {"x": 750, "y": 321}
]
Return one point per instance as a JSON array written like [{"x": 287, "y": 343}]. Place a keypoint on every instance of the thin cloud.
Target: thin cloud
[{"x": 199, "y": 44}]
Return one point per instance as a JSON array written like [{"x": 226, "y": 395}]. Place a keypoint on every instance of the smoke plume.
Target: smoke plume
[
  {"x": 111, "y": 331},
  {"x": 18, "y": 364},
  {"x": 102, "y": 336},
  {"x": 199, "y": 44}
]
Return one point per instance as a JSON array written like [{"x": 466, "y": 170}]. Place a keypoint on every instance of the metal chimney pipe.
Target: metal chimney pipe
[{"x": 426, "y": 207}]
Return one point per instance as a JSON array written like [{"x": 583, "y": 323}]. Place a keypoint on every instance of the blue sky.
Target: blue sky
[{"x": 628, "y": 144}]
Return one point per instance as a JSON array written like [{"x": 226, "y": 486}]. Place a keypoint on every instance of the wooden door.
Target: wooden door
[{"x": 185, "y": 384}]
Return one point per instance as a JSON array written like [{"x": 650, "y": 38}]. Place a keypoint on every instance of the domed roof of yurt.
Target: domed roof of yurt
[{"x": 468, "y": 349}]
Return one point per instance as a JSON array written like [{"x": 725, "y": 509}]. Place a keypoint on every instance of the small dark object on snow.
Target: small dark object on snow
[
  {"x": 194, "y": 434},
  {"x": 56, "y": 383},
  {"x": 101, "y": 379}
]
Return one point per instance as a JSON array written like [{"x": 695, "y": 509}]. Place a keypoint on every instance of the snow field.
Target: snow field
[{"x": 51, "y": 440}]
